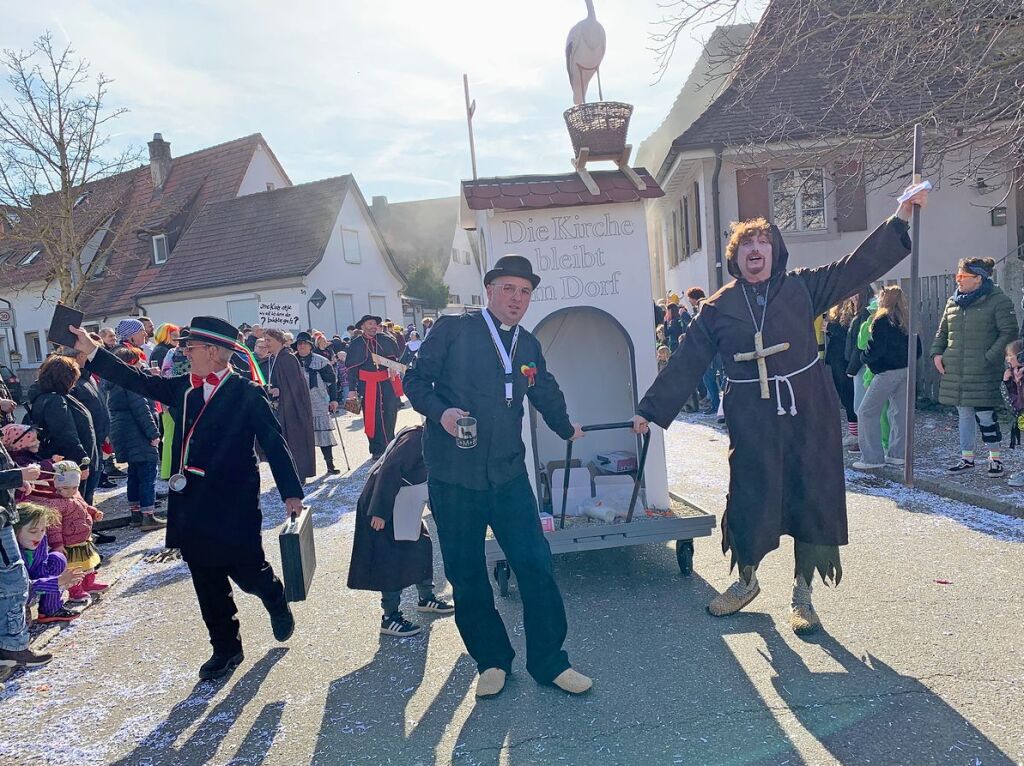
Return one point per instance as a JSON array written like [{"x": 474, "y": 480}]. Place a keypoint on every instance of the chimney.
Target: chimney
[
  {"x": 379, "y": 208},
  {"x": 159, "y": 160}
]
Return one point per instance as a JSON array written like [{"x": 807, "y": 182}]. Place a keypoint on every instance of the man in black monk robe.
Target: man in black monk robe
[{"x": 786, "y": 473}]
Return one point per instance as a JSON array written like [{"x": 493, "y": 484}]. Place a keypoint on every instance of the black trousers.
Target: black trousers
[
  {"x": 217, "y": 604},
  {"x": 387, "y": 416},
  {"x": 462, "y": 517}
]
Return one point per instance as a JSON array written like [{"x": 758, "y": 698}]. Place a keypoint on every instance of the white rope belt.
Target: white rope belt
[{"x": 779, "y": 380}]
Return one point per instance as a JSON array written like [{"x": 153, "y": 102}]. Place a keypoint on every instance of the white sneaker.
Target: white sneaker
[
  {"x": 1016, "y": 479},
  {"x": 849, "y": 440},
  {"x": 862, "y": 466},
  {"x": 895, "y": 461}
]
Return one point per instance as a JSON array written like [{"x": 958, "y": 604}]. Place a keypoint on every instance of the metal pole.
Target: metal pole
[
  {"x": 914, "y": 318},
  {"x": 470, "y": 111}
]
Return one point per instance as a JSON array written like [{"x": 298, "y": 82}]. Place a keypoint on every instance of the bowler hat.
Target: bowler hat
[
  {"x": 512, "y": 266},
  {"x": 211, "y": 330},
  {"x": 366, "y": 318}
]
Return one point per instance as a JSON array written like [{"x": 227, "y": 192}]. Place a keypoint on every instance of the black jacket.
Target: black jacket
[
  {"x": 216, "y": 520},
  {"x": 458, "y": 366},
  {"x": 133, "y": 425},
  {"x": 66, "y": 426},
  {"x": 95, "y": 400},
  {"x": 854, "y": 362},
  {"x": 887, "y": 349}
]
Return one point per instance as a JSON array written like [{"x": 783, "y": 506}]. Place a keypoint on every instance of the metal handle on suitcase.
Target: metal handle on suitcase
[{"x": 639, "y": 467}]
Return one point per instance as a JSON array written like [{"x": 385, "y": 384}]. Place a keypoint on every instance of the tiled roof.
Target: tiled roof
[
  {"x": 784, "y": 97},
  {"x": 195, "y": 179},
  {"x": 538, "y": 192},
  {"x": 419, "y": 230},
  {"x": 255, "y": 237}
]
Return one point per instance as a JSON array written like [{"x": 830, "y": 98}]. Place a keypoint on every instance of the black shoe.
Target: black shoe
[
  {"x": 282, "y": 622},
  {"x": 995, "y": 468},
  {"x": 219, "y": 665},
  {"x": 395, "y": 624},
  {"x": 161, "y": 495},
  {"x": 25, "y": 658},
  {"x": 106, "y": 483},
  {"x": 158, "y": 503},
  {"x": 332, "y": 470},
  {"x": 116, "y": 473},
  {"x": 435, "y": 605},
  {"x": 101, "y": 538},
  {"x": 963, "y": 465}
]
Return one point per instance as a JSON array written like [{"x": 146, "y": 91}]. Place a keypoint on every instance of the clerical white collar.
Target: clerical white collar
[{"x": 501, "y": 325}]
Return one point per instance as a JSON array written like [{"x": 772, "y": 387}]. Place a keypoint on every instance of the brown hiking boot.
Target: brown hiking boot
[
  {"x": 736, "y": 596},
  {"x": 151, "y": 522}
]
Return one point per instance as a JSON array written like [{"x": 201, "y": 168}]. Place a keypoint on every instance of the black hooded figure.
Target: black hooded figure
[{"x": 785, "y": 451}]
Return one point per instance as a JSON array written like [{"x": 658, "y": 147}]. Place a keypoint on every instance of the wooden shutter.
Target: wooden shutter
[
  {"x": 851, "y": 200},
  {"x": 752, "y": 194},
  {"x": 697, "y": 243},
  {"x": 684, "y": 216}
]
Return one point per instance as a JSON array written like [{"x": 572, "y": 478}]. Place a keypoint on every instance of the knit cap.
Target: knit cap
[
  {"x": 11, "y": 433},
  {"x": 126, "y": 328},
  {"x": 66, "y": 473}
]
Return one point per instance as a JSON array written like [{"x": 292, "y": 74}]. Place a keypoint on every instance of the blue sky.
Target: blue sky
[{"x": 371, "y": 88}]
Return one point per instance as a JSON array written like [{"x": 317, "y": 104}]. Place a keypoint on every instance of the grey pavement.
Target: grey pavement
[{"x": 921, "y": 661}]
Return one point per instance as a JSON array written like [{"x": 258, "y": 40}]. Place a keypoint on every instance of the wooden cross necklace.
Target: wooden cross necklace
[{"x": 760, "y": 353}]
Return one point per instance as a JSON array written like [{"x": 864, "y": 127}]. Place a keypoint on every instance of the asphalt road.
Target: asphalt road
[{"x": 920, "y": 663}]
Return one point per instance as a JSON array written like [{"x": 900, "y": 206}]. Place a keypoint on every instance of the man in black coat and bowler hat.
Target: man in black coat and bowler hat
[
  {"x": 213, "y": 508},
  {"x": 480, "y": 366},
  {"x": 379, "y": 387}
]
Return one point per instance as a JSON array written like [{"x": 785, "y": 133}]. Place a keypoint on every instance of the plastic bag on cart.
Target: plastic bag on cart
[{"x": 609, "y": 507}]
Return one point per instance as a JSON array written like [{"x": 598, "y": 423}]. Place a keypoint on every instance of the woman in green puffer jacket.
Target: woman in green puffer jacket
[{"x": 977, "y": 324}]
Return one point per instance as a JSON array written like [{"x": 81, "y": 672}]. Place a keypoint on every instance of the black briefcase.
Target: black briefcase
[{"x": 298, "y": 555}]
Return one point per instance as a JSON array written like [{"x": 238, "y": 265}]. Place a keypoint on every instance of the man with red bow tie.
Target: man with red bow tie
[{"x": 213, "y": 509}]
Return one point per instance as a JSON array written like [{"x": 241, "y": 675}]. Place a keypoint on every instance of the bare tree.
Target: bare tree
[
  {"x": 62, "y": 197},
  {"x": 874, "y": 69}
]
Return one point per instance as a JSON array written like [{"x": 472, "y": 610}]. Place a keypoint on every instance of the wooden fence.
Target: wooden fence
[{"x": 935, "y": 291}]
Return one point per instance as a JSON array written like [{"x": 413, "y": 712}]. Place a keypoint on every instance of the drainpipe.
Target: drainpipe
[{"x": 716, "y": 215}]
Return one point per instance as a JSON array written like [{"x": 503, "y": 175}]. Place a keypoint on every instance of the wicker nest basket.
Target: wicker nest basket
[{"x": 600, "y": 126}]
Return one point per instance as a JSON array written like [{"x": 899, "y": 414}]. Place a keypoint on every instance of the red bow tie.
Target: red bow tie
[{"x": 212, "y": 379}]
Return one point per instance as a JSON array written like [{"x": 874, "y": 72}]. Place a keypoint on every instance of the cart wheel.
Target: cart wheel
[
  {"x": 501, "y": 575},
  {"x": 684, "y": 555}
]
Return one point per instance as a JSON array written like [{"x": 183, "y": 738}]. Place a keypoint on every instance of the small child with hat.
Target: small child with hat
[
  {"x": 72, "y": 535},
  {"x": 22, "y": 443}
]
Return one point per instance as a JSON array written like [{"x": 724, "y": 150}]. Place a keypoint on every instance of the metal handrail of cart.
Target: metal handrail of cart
[
  {"x": 639, "y": 467},
  {"x": 596, "y": 536}
]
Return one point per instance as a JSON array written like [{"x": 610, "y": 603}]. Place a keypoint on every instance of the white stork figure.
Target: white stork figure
[{"x": 584, "y": 49}]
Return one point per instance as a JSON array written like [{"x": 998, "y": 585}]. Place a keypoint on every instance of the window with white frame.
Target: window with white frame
[
  {"x": 31, "y": 257},
  {"x": 477, "y": 300},
  {"x": 350, "y": 244},
  {"x": 379, "y": 306},
  {"x": 243, "y": 310},
  {"x": 798, "y": 200},
  {"x": 453, "y": 298},
  {"x": 33, "y": 348},
  {"x": 159, "y": 249},
  {"x": 270, "y": 186},
  {"x": 344, "y": 312}
]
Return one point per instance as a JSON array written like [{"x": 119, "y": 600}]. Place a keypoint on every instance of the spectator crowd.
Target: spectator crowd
[{"x": 78, "y": 430}]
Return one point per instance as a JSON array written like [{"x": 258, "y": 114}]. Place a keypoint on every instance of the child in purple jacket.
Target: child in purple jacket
[{"x": 47, "y": 571}]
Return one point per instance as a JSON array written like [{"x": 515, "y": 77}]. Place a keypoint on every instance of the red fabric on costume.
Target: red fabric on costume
[{"x": 372, "y": 378}]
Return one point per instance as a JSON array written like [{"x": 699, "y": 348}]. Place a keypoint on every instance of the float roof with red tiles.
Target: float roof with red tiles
[{"x": 538, "y": 192}]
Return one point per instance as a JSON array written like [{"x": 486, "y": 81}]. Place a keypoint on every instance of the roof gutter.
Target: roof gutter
[{"x": 716, "y": 214}]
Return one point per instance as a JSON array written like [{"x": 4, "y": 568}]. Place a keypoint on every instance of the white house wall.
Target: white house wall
[
  {"x": 464, "y": 279},
  {"x": 261, "y": 171}
]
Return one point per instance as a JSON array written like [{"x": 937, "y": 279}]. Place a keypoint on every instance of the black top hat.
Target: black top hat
[
  {"x": 211, "y": 330},
  {"x": 512, "y": 266},
  {"x": 367, "y": 318}
]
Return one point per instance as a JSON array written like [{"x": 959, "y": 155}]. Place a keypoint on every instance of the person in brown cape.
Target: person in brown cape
[
  {"x": 786, "y": 472},
  {"x": 289, "y": 393},
  {"x": 379, "y": 561}
]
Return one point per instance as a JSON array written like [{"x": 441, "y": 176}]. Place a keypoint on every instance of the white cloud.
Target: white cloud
[{"x": 374, "y": 89}]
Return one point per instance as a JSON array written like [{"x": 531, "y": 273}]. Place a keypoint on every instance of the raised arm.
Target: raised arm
[{"x": 109, "y": 367}]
